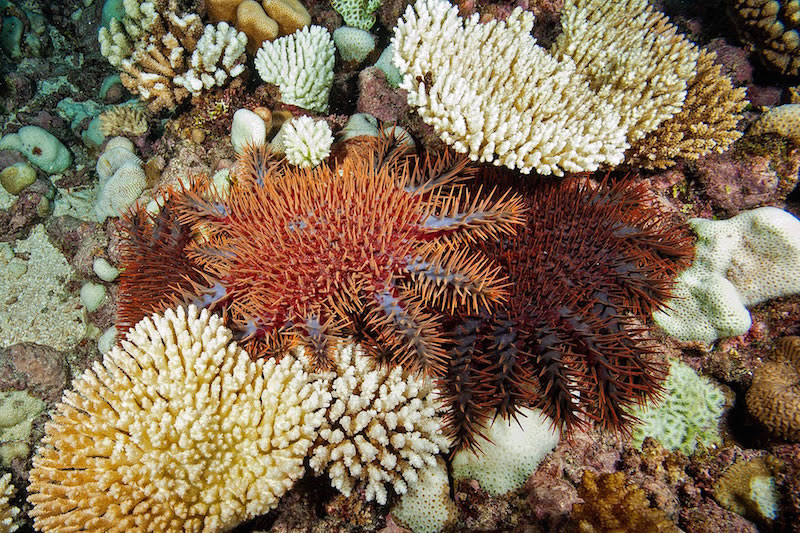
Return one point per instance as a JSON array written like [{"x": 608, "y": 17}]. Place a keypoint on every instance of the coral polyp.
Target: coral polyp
[
  {"x": 369, "y": 247},
  {"x": 586, "y": 271}
]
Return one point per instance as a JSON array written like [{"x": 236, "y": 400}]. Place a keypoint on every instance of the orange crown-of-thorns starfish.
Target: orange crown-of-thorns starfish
[{"x": 370, "y": 246}]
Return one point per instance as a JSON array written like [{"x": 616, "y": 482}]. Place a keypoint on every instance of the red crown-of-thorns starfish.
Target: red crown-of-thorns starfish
[
  {"x": 586, "y": 271},
  {"x": 370, "y": 246}
]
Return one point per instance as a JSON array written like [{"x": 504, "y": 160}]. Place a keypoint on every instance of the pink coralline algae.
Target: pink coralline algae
[{"x": 736, "y": 183}]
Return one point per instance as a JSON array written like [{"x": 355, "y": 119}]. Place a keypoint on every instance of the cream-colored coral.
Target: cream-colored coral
[
  {"x": 381, "y": 427},
  {"x": 301, "y": 65},
  {"x": 706, "y": 122},
  {"x": 123, "y": 120},
  {"x": 632, "y": 56},
  {"x": 220, "y": 54},
  {"x": 177, "y": 430},
  {"x": 8, "y": 513},
  {"x": 122, "y": 179},
  {"x": 489, "y": 91},
  {"x": 119, "y": 39},
  {"x": 783, "y": 120},
  {"x": 305, "y": 141}
]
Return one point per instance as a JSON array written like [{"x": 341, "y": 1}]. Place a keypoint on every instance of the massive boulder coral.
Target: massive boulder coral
[
  {"x": 739, "y": 262},
  {"x": 176, "y": 430},
  {"x": 774, "y": 395},
  {"x": 489, "y": 91},
  {"x": 380, "y": 430}
]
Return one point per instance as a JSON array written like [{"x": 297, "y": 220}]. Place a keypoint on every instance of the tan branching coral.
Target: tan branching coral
[
  {"x": 380, "y": 429},
  {"x": 774, "y": 395},
  {"x": 610, "y": 505},
  {"x": 489, "y": 91},
  {"x": 632, "y": 56},
  {"x": 771, "y": 27},
  {"x": 8, "y": 513},
  {"x": 706, "y": 122},
  {"x": 176, "y": 430},
  {"x": 123, "y": 120},
  {"x": 153, "y": 47}
]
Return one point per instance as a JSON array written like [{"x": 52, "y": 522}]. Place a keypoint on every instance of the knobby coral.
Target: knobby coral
[
  {"x": 367, "y": 247},
  {"x": 381, "y": 427},
  {"x": 771, "y": 26},
  {"x": 176, "y": 430},
  {"x": 585, "y": 271},
  {"x": 774, "y": 395}
]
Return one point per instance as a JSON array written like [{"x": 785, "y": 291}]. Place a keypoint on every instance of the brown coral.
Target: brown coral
[
  {"x": 706, "y": 122},
  {"x": 123, "y": 120},
  {"x": 748, "y": 488},
  {"x": 774, "y": 395},
  {"x": 610, "y": 505},
  {"x": 771, "y": 27}
]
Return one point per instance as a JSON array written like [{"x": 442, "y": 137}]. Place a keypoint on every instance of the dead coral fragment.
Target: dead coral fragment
[
  {"x": 365, "y": 247},
  {"x": 176, "y": 430},
  {"x": 774, "y": 395},
  {"x": 123, "y": 120},
  {"x": 706, "y": 123},
  {"x": 612, "y": 506}
]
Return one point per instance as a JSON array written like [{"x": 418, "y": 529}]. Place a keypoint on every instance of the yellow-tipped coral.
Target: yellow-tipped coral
[{"x": 176, "y": 430}]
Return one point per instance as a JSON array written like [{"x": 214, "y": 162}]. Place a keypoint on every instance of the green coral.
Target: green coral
[
  {"x": 357, "y": 13},
  {"x": 688, "y": 413}
]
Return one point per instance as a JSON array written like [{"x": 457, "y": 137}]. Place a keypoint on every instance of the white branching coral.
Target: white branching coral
[
  {"x": 301, "y": 65},
  {"x": 8, "y": 513},
  {"x": 305, "y": 141},
  {"x": 176, "y": 430},
  {"x": 381, "y": 427},
  {"x": 632, "y": 56},
  {"x": 119, "y": 39},
  {"x": 220, "y": 54},
  {"x": 489, "y": 91}
]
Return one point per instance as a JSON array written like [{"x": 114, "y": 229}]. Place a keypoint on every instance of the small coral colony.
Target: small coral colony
[{"x": 370, "y": 307}]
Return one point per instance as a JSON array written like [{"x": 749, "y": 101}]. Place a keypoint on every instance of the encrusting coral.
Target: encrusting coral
[
  {"x": 489, "y": 91},
  {"x": 633, "y": 58},
  {"x": 380, "y": 430},
  {"x": 774, "y": 395},
  {"x": 706, "y": 122},
  {"x": 176, "y": 430},
  {"x": 585, "y": 271},
  {"x": 611, "y": 505},
  {"x": 748, "y": 487},
  {"x": 8, "y": 513},
  {"x": 370, "y": 247},
  {"x": 783, "y": 120}
]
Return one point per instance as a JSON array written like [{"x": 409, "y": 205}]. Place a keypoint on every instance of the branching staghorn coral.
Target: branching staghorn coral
[
  {"x": 706, "y": 122},
  {"x": 381, "y": 428},
  {"x": 177, "y": 430}
]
